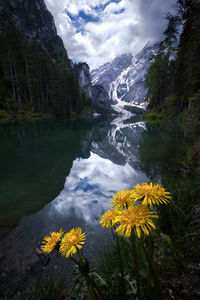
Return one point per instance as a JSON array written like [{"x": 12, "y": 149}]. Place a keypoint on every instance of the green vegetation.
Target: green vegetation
[
  {"x": 35, "y": 81},
  {"x": 179, "y": 258},
  {"x": 44, "y": 287},
  {"x": 173, "y": 78},
  {"x": 4, "y": 116},
  {"x": 152, "y": 117}
]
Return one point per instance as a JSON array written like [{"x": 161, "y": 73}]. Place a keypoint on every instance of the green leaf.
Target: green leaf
[{"x": 167, "y": 239}]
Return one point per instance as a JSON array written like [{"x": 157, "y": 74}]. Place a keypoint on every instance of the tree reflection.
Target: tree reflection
[{"x": 162, "y": 150}]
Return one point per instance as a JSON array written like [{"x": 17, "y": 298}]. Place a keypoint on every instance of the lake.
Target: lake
[{"x": 64, "y": 173}]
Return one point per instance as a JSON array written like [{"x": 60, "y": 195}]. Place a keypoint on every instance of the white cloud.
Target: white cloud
[
  {"x": 121, "y": 27},
  {"x": 114, "y": 7},
  {"x": 90, "y": 186}
]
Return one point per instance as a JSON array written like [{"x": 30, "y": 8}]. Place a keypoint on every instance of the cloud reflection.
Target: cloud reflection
[{"x": 90, "y": 186}]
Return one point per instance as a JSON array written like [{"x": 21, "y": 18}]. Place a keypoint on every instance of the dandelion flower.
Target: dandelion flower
[
  {"x": 52, "y": 241},
  {"x": 72, "y": 241},
  {"x": 150, "y": 194},
  {"x": 122, "y": 200},
  {"x": 108, "y": 219},
  {"x": 162, "y": 195},
  {"x": 138, "y": 218}
]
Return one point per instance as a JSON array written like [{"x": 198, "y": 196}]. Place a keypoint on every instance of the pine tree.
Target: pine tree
[
  {"x": 158, "y": 78},
  {"x": 187, "y": 66},
  {"x": 32, "y": 80}
]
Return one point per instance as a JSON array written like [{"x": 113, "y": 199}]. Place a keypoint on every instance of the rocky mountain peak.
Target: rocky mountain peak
[
  {"x": 123, "y": 78},
  {"x": 123, "y": 60},
  {"x": 108, "y": 72}
]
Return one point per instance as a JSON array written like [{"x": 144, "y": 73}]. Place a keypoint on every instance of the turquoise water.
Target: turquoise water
[
  {"x": 63, "y": 174},
  {"x": 35, "y": 159}
]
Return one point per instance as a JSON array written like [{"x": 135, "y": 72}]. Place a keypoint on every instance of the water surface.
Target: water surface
[{"x": 63, "y": 174}]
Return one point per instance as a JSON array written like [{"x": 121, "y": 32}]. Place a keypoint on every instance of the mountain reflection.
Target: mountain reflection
[{"x": 118, "y": 142}]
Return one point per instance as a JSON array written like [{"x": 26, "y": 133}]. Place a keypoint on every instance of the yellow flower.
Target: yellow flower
[
  {"x": 52, "y": 241},
  {"x": 162, "y": 195},
  {"x": 108, "y": 219},
  {"x": 150, "y": 194},
  {"x": 122, "y": 200},
  {"x": 138, "y": 218},
  {"x": 72, "y": 241}
]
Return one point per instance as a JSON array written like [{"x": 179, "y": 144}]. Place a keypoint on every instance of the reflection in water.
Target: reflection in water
[
  {"x": 90, "y": 186},
  {"x": 112, "y": 165},
  {"x": 35, "y": 158},
  {"x": 120, "y": 143},
  {"x": 94, "y": 162},
  {"x": 164, "y": 146}
]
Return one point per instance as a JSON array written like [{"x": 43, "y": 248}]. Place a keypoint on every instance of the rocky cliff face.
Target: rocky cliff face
[
  {"x": 36, "y": 75},
  {"x": 123, "y": 78},
  {"x": 97, "y": 93},
  {"x": 33, "y": 19},
  {"x": 84, "y": 75},
  {"x": 109, "y": 72}
]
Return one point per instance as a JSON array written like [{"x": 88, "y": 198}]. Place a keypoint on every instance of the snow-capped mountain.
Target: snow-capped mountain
[{"x": 123, "y": 78}]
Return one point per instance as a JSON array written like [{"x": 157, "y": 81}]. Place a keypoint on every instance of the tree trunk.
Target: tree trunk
[
  {"x": 17, "y": 86},
  {"x": 28, "y": 83},
  {"x": 13, "y": 81}
]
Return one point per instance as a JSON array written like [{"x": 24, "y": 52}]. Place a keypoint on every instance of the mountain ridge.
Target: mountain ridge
[
  {"x": 36, "y": 76},
  {"x": 124, "y": 77}
]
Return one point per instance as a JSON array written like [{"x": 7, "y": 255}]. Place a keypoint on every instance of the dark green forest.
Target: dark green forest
[
  {"x": 36, "y": 79},
  {"x": 173, "y": 78}
]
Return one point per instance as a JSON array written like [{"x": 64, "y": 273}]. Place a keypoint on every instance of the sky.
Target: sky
[{"x": 97, "y": 31}]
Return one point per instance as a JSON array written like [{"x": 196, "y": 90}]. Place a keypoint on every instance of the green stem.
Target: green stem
[
  {"x": 150, "y": 254},
  {"x": 79, "y": 254},
  {"x": 121, "y": 267},
  {"x": 90, "y": 290},
  {"x": 95, "y": 286},
  {"x": 91, "y": 284},
  {"x": 151, "y": 246},
  {"x": 149, "y": 260},
  {"x": 74, "y": 260},
  {"x": 148, "y": 285},
  {"x": 133, "y": 241},
  {"x": 113, "y": 233}
]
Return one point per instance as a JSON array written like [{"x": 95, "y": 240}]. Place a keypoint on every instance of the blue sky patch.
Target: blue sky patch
[
  {"x": 120, "y": 11},
  {"x": 82, "y": 18}
]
